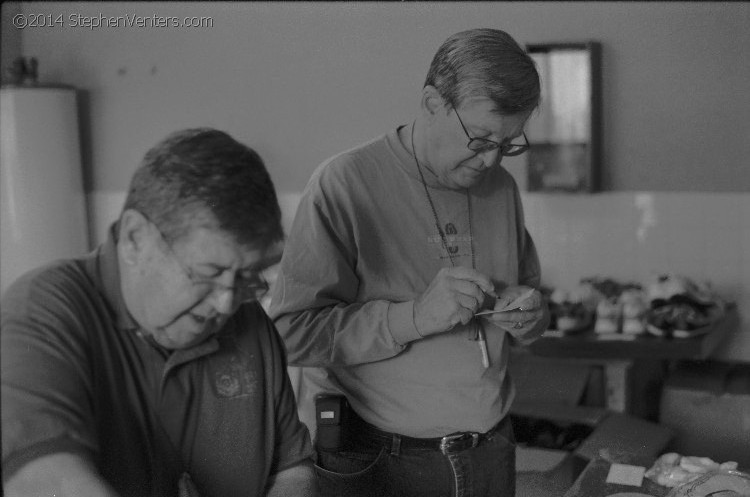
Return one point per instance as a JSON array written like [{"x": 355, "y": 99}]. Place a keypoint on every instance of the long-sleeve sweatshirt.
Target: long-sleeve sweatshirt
[{"x": 363, "y": 246}]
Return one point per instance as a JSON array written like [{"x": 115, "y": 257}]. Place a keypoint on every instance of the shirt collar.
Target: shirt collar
[{"x": 406, "y": 159}]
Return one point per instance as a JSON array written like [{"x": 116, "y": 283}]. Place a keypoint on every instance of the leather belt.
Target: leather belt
[{"x": 455, "y": 442}]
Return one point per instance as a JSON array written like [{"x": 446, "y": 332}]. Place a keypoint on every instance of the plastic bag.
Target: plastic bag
[
  {"x": 720, "y": 483},
  {"x": 673, "y": 470}
]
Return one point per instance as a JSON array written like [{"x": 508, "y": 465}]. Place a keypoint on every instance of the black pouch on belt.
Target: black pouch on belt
[{"x": 332, "y": 420}]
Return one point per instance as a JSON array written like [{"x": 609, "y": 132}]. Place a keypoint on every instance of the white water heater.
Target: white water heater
[{"x": 42, "y": 200}]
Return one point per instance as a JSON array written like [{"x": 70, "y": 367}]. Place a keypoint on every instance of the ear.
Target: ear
[
  {"x": 134, "y": 228},
  {"x": 432, "y": 103}
]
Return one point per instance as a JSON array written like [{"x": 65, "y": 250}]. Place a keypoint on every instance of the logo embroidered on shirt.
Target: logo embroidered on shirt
[
  {"x": 234, "y": 378},
  {"x": 449, "y": 239},
  {"x": 458, "y": 244}
]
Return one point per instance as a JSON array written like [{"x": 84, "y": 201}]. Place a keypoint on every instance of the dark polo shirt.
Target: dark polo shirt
[{"x": 79, "y": 376}]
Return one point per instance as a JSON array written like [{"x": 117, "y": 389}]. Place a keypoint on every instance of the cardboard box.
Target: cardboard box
[
  {"x": 548, "y": 395},
  {"x": 544, "y": 472},
  {"x": 608, "y": 433},
  {"x": 707, "y": 404}
]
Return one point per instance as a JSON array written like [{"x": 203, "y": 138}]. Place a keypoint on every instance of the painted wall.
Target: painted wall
[
  {"x": 10, "y": 37},
  {"x": 301, "y": 81},
  {"x": 628, "y": 236}
]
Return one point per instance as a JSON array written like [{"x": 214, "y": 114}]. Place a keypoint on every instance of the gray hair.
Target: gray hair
[{"x": 487, "y": 63}]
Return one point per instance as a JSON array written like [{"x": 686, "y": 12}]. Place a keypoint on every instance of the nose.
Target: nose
[
  {"x": 224, "y": 293},
  {"x": 491, "y": 158},
  {"x": 222, "y": 299}
]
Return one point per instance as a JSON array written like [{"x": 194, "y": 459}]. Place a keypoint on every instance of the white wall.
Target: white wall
[
  {"x": 635, "y": 236},
  {"x": 301, "y": 81},
  {"x": 629, "y": 236},
  {"x": 10, "y": 38}
]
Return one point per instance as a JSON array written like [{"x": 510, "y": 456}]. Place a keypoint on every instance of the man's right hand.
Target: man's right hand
[
  {"x": 454, "y": 295},
  {"x": 61, "y": 474}
]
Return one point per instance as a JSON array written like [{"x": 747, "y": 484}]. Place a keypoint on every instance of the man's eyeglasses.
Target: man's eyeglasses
[
  {"x": 481, "y": 145},
  {"x": 249, "y": 285}
]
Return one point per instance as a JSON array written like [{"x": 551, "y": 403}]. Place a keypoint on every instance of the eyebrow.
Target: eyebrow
[
  {"x": 487, "y": 133},
  {"x": 503, "y": 142},
  {"x": 210, "y": 266},
  {"x": 260, "y": 264}
]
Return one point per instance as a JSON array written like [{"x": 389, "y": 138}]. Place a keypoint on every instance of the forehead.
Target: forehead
[
  {"x": 210, "y": 245},
  {"x": 479, "y": 114}
]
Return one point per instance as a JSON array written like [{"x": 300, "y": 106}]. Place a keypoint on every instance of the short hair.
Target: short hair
[
  {"x": 205, "y": 169},
  {"x": 487, "y": 63}
]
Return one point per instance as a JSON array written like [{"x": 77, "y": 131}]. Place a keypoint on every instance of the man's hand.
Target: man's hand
[
  {"x": 452, "y": 297},
  {"x": 186, "y": 487},
  {"x": 297, "y": 481},
  {"x": 61, "y": 475},
  {"x": 526, "y": 314}
]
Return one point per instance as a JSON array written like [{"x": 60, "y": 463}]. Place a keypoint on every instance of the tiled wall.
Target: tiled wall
[
  {"x": 629, "y": 236},
  {"x": 634, "y": 236}
]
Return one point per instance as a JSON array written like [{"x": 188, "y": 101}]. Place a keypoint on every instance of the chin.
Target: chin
[
  {"x": 470, "y": 177},
  {"x": 470, "y": 181},
  {"x": 187, "y": 342},
  {"x": 174, "y": 340}
]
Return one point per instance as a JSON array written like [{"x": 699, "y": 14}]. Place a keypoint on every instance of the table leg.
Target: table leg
[{"x": 617, "y": 378}]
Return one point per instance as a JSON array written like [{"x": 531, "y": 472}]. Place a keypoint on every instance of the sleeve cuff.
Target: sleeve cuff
[{"x": 401, "y": 322}]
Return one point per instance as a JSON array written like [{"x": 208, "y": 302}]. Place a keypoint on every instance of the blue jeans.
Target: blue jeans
[{"x": 377, "y": 464}]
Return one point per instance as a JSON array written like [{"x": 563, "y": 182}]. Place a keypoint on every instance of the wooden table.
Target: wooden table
[
  {"x": 617, "y": 353},
  {"x": 648, "y": 346}
]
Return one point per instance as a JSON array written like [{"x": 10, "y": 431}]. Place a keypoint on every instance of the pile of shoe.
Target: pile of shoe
[
  {"x": 570, "y": 311},
  {"x": 620, "y": 307},
  {"x": 670, "y": 305},
  {"x": 602, "y": 303},
  {"x": 679, "y": 306}
]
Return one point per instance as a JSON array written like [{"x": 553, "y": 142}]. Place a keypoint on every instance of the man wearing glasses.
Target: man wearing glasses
[
  {"x": 401, "y": 251},
  {"x": 148, "y": 368}
]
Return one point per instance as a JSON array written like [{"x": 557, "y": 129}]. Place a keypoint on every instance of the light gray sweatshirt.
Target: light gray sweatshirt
[{"x": 362, "y": 248}]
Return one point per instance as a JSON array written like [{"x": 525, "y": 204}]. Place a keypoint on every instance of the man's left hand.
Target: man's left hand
[{"x": 527, "y": 315}]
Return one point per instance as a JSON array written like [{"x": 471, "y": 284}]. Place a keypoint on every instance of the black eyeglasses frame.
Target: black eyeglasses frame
[{"x": 482, "y": 145}]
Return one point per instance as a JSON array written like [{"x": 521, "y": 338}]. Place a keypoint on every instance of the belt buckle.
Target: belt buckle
[{"x": 447, "y": 441}]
